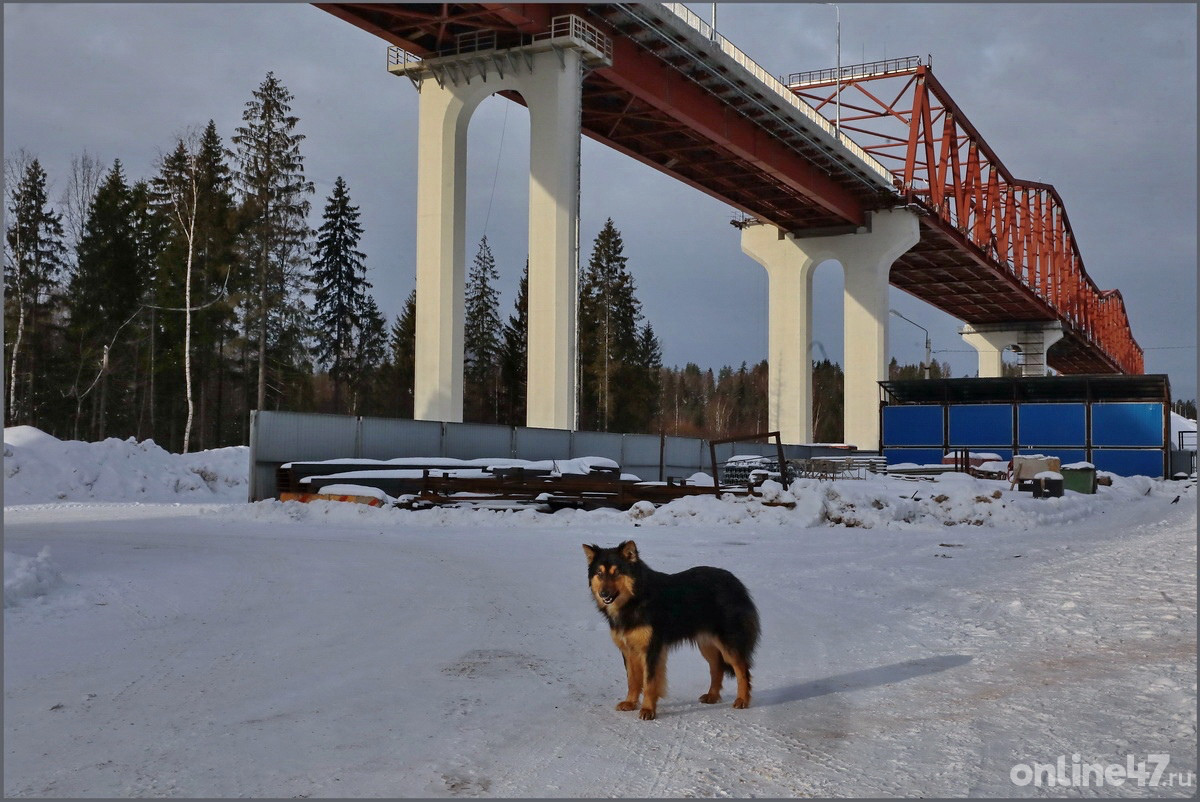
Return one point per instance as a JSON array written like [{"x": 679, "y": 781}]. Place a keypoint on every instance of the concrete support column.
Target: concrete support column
[
  {"x": 1029, "y": 339},
  {"x": 867, "y": 261},
  {"x": 553, "y": 93},
  {"x": 866, "y": 258},
  {"x": 441, "y": 231},
  {"x": 990, "y": 346},
  {"x": 550, "y": 83},
  {"x": 789, "y": 328}
]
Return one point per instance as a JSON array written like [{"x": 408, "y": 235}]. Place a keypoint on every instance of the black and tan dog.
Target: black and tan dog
[{"x": 649, "y": 612}]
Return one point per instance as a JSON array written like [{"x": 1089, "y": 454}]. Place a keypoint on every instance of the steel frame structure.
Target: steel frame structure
[{"x": 901, "y": 114}]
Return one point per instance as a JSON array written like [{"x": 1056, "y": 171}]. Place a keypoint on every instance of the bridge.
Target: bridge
[{"x": 872, "y": 165}]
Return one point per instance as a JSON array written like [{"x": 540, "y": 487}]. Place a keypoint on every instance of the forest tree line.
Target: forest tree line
[{"x": 168, "y": 307}]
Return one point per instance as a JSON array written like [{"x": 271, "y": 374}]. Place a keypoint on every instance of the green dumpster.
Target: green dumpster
[{"x": 1080, "y": 477}]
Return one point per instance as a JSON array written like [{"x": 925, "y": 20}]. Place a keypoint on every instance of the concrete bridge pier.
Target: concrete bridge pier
[
  {"x": 866, "y": 258},
  {"x": 548, "y": 75},
  {"x": 1029, "y": 339}
]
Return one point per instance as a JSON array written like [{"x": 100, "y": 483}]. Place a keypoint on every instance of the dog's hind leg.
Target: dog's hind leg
[
  {"x": 716, "y": 670},
  {"x": 741, "y": 669}
]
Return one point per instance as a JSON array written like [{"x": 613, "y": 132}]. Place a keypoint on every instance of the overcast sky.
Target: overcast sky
[{"x": 1097, "y": 99}]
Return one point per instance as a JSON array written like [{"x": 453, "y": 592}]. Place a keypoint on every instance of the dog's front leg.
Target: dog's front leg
[
  {"x": 634, "y": 670},
  {"x": 655, "y": 680}
]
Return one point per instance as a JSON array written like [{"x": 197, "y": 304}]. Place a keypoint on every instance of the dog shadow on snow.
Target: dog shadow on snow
[{"x": 860, "y": 680}]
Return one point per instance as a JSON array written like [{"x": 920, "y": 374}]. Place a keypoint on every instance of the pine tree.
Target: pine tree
[
  {"x": 270, "y": 177},
  {"x": 340, "y": 276},
  {"x": 34, "y": 254},
  {"x": 481, "y": 341},
  {"x": 609, "y": 313},
  {"x": 514, "y": 356}
]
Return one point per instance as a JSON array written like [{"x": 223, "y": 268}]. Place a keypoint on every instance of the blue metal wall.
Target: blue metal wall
[{"x": 1124, "y": 438}]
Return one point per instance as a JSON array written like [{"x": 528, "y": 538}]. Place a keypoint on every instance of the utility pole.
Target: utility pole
[
  {"x": 928, "y": 351},
  {"x": 837, "y": 126}
]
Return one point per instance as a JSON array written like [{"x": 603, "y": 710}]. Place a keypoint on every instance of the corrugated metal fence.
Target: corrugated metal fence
[{"x": 280, "y": 437}]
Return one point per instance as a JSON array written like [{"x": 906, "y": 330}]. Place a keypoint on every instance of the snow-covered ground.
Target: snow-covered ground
[{"x": 164, "y": 638}]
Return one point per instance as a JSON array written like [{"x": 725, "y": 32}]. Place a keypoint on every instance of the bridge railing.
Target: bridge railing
[
  {"x": 775, "y": 85},
  {"x": 871, "y": 69},
  {"x": 567, "y": 26},
  {"x": 571, "y": 26}
]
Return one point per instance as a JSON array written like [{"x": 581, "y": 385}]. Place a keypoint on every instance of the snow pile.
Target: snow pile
[
  {"x": 40, "y": 468},
  {"x": 951, "y": 499},
  {"x": 29, "y": 577}
]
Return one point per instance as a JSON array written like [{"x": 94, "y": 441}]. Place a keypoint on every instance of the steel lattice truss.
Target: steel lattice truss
[{"x": 901, "y": 114}]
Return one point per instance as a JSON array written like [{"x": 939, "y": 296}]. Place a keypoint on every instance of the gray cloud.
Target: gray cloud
[{"x": 1097, "y": 99}]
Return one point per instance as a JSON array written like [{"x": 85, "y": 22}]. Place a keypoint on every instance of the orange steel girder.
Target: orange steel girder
[{"x": 944, "y": 165}]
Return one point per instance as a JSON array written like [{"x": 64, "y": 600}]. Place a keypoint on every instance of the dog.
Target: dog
[{"x": 648, "y": 612}]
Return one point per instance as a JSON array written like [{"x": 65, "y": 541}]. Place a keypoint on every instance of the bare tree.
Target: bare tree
[
  {"x": 86, "y": 174},
  {"x": 15, "y": 168},
  {"x": 177, "y": 193}
]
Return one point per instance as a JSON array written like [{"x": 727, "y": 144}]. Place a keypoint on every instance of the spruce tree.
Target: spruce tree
[
  {"x": 514, "y": 356},
  {"x": 270, "y": 178},
  {"x": 481, "y": 341},
  {"x": 340, "y": 278},
  {"x": 370, "y": 352},
  {"x": 33, "y": 265},
  {"x": 402, "y": 364},
  {"x": 609, "y": 313},
  {"x": 646, "y": 388},
  {"x": 150, "y": 234},
  {"x": 103, "y": 296}
]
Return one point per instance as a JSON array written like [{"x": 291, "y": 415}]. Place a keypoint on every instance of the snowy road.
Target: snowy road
[{"x": 287, "y": 650}]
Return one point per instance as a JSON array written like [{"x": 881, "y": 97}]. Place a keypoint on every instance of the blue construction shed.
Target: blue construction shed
[{"x": 1120, "y": 424}]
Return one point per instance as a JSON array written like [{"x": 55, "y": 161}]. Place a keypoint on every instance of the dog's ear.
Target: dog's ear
[
  {"x": 629, "y": 551},
  {"x": 590, "y": 551}
]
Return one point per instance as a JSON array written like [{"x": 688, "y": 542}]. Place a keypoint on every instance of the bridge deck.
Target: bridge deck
[{"x": 683, "y": 100}]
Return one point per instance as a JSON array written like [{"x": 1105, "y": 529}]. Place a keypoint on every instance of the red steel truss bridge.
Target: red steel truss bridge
[{"x": 813, "y": 153}]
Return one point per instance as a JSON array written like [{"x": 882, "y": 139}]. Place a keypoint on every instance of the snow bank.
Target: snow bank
[
  {"x": 28, "y": 578},
  {"x": 40, "y": 468}
]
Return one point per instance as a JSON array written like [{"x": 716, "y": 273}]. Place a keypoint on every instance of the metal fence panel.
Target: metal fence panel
[
  {"x": 596, "y": 444},
  {"x": 1051, "y": 425},
  {"x": 1128, "y": 424},
  {"x": 536, "y": 444},
  {"x": 388, "y": 438},
  {"x": 640, "y": 455},
  {"x": 475, "y": 440},
  {"x": 287, "y": 436},
  {"x": 1129, "y": 461},
  {"x": 683, "y": 457},
  {"x": 912, "y": 426}
]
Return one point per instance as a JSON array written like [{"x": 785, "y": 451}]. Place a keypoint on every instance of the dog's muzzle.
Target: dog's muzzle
[{"x": 608, "y": 598}]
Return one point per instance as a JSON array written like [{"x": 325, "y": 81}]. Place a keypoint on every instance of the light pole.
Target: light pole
[
  {"x": 928, "y": 353},
  {"x": 837, "y": 126}
]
